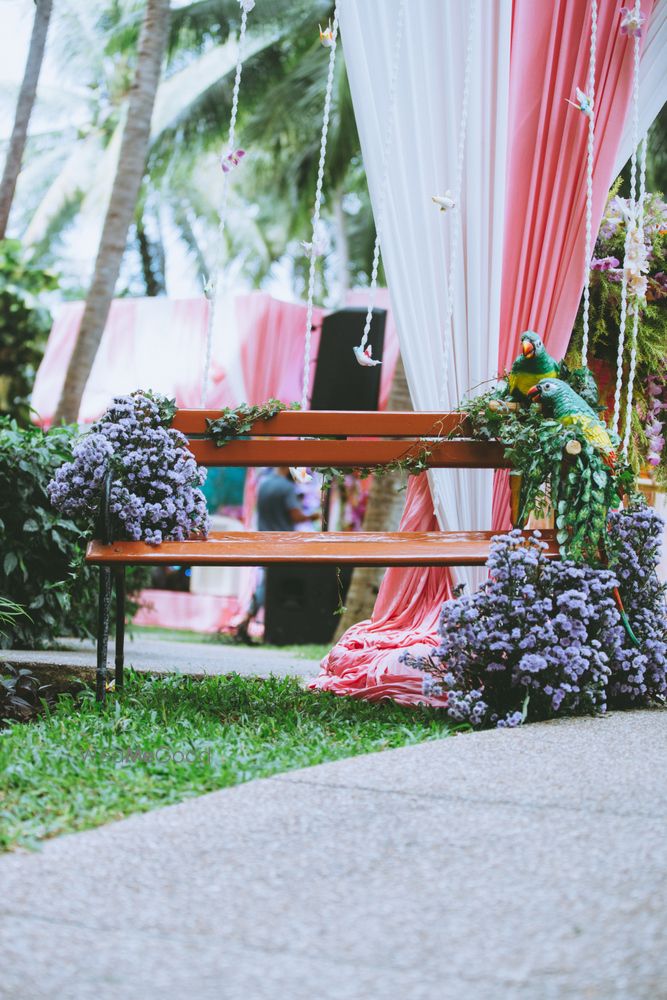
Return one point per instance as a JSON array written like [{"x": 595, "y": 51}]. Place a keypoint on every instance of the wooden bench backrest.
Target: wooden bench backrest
[{"x": 364, "y": 439}]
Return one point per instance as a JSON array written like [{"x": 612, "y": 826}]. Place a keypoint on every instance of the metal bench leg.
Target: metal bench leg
[
  {"x": 120, "y": 625},
  {"x": 103, "y": 633}
]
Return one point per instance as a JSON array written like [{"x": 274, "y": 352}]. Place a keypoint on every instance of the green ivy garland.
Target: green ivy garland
[
  {"x": 235, "y": 422},
  {"x": 580, "y": 488}
]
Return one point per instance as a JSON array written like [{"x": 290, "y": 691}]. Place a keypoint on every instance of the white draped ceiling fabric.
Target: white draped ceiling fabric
[
  {"x": 423, "y": 162},
  {"x": 423, "y": 157}
]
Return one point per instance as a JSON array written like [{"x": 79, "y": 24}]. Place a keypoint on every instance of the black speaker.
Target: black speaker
[
  {"x": 300, "y": 603},
  {"x": 340, "y": 382}
]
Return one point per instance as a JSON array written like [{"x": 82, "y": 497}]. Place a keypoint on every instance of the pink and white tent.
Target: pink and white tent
[{"x": 160, "y": 344}]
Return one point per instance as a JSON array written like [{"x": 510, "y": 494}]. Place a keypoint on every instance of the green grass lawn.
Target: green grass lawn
[{"x": 63, "y": 772}]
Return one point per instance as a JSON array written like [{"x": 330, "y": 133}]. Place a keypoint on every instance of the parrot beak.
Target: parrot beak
[
  {"x": 527, "y": 348},
  {"x": 534, "y": 393}
]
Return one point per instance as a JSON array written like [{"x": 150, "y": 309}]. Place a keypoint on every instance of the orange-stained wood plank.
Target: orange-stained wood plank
[
  {"x": 328, "y": 422},
  {"x": 357, "y": 452},
  {"x": 359, "y": 548}
]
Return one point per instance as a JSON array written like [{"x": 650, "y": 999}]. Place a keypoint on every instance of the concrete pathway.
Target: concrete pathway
[
  {"x": 76, "y": 659},
  {"x": 509, "y": 865}
]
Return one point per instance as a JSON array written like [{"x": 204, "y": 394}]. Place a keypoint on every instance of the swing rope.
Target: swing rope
[
  {"x": 389, "y": 127},
  {"x": 455, "y": 234},
  {"x": 630, "y": 227},
  {"x": 639, "y": 234},
  {"x": 317, "y": 209},
  {"x": 211, "y": 287},
  {"x": 589, "y": 184}
]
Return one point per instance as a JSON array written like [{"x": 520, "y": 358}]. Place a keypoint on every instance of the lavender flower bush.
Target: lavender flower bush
[
  {"x": 543, "y": 639},
  {"x": 155, "y": 481},
  {"x": 639, "y": 675}
]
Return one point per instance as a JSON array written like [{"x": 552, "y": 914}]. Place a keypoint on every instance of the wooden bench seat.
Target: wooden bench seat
[
  {"x": 338, "y": 548},
  {"x": 320, "y": 439}
]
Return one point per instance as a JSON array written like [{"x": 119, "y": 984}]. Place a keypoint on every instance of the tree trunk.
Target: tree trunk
[
  {"x": 122, "y": 204},
  {"x": 151, "y": 253},
  {"x": 24, "y": 106},
  {"x": 386, "y": 501}
]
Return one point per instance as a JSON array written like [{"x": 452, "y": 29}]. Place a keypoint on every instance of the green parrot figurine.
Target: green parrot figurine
[
  {"x": 564, "y": 404},
  {"x": 533, "y": 364}
]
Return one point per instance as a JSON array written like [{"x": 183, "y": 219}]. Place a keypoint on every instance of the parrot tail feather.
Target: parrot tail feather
[{"x": 626, "y": 621}]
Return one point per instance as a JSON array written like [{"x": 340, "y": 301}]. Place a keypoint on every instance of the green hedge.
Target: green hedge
[{"x": 41, "y": 555}]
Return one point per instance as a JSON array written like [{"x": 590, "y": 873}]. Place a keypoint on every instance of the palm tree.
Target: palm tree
[
  {"x": 125, "y": 192},
  {"x": 280, "y": 117},
  {"x": 24, "y": 108}
]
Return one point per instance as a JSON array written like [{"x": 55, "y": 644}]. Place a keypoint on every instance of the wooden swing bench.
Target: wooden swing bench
[{"x": 321, "y": 439}]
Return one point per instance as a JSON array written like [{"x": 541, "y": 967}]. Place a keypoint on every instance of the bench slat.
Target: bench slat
[
  {"x": 293, "y": 423},
  {"x": 462, "y": 454},
  {"x": 359, "y": 548}
]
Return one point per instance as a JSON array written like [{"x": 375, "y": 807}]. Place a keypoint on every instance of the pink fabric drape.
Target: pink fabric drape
[
  {"x": 542, "y": 282},
  {"x": 365, "y": 663},
  {"x": 543, "y": 260}
]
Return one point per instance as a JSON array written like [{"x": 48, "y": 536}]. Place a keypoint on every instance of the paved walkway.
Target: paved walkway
[
  {"x": 508, "y": 865},
  {"x": 76, "y": 658}
]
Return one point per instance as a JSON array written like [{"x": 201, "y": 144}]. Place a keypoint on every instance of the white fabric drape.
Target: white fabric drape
[
  {"x": 423, "y": 162},
  {"x": 652, "y": 81}
]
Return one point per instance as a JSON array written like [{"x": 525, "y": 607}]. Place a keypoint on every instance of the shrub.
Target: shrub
[
  {"x": 639, "y": 674},
  {"x": 41, "y": 553},
  {"x": 41, "y": 566},
  {"x": 24, "y": 326},
  {"x": 544, "y": 639}
]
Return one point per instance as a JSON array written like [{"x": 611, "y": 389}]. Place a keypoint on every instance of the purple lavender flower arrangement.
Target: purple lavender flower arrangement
[
  {"x": 639, "y": 676},
  {"x": 655, "y": 431},
  {"x": 544, "y": 639},
  {"x": 155, "y": 481}
]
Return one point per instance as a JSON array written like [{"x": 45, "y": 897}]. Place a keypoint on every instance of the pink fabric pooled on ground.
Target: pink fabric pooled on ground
[{"x": 365, "y": 663}]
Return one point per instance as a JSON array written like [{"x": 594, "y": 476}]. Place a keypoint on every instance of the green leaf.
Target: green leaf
[
  {"x": 30, "y": 525},
  {"x": 562, "y": 537},
  {"x": 10, "y": 562}
]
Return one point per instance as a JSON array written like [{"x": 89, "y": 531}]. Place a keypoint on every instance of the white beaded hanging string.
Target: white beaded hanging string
[
  {"x": 384, "y": 171},
  {"x": 639, "y": 223},
  {"x": 317, "y": 209},
  {"x": 630, "y": 225},
  {"x": 212, "y": 284},
  {"x": 589, "y": 183},
  {"x": 455, "y": 233}
]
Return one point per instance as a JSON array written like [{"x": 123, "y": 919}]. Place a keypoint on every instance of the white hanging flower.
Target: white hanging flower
[
  {"x": 636, "y": 264},
  {"x": 247, "y": 5},
  {"x": 631, "y": 22},
  {"x": 300, "y": 475},
  {"x": 319, "y": 247},
  {"x": 326, "y": 36},
  {"x": 583, "y": 102},
  {"x": 365, "y": 357},
  {"x": 444, "y": 201}
]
